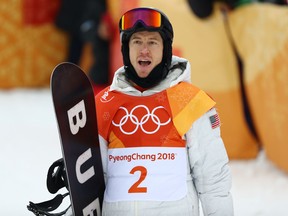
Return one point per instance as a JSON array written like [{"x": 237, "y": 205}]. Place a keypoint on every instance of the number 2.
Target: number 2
[{"x": 135, "y": 187}]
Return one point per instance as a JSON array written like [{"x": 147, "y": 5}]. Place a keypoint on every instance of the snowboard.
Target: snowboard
[{"x": 74, "y": 105}]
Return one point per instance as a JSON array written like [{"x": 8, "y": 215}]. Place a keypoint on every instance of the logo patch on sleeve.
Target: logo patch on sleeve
[{"x": 215, "y": 121}]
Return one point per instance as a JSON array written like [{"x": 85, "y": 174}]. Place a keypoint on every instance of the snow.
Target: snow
[{"x": 30, "y": 144}]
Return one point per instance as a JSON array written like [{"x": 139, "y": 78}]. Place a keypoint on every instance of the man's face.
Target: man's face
[{"x": 145, "y": 51}]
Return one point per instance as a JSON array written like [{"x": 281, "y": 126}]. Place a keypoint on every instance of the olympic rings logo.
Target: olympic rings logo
[{"x": 139, "y": 123}]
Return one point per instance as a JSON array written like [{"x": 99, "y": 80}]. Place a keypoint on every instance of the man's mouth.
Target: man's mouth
[{"x": 144, "y": 63}]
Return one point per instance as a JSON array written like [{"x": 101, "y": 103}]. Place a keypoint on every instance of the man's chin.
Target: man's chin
[{"x": 143, "y": 74}]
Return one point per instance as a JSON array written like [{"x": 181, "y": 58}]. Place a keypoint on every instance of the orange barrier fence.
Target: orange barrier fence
[
  {"x": 261, "y": 35},
  {"x": 30, "y": 45}
]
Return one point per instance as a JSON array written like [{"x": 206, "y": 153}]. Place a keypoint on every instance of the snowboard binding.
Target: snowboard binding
[{"x": 56, "y": 179}]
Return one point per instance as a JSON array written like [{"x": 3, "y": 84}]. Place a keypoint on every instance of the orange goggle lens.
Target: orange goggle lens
[{"x": 150, "y": 17}]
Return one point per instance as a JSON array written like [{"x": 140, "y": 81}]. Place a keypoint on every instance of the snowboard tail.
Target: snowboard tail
[{"x": 74, "y": 105}]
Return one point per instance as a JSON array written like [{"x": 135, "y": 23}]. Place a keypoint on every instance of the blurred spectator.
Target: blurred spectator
[
  {"x": 87, "y": 22},
  {"x": 279, "y": 2},
  {"x": 204, "y": 8}
]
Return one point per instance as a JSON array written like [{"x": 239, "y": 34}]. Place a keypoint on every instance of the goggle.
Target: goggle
[{"x": 149, "y": 17}]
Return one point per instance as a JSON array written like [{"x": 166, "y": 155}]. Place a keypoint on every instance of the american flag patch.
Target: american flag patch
[{"x": 215, "y": 121}]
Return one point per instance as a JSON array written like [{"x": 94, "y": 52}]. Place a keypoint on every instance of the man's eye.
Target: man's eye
[
  {"x": 136, "y": 42},
  {"x": 152, "y": 42}
]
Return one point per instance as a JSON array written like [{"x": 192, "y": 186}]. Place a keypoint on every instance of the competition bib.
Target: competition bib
[
  {"x": 153, "y": 173},
  {"x": 147, "y": 157}
]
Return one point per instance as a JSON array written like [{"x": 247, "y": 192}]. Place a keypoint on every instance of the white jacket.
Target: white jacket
[{"x": 208, "y": 177}]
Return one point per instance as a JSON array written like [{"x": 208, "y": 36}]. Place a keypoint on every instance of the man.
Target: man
[{"x": 159, "y": 134}]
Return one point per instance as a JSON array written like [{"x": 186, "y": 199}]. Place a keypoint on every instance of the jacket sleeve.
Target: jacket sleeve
[
  {"x": 209, "y": 167},
  {"x": 104, "y": 155}
]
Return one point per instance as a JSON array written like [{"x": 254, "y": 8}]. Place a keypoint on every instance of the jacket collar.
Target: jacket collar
[{"x": 179, "y": 72}]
